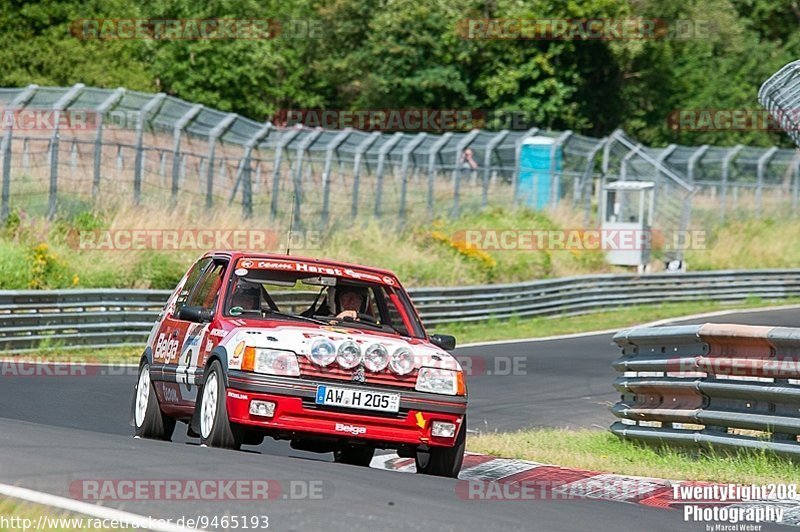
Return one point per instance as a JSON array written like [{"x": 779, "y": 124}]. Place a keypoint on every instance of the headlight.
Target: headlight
[
  {"x": 443, "y": 381},
  {"x": 322, "y": 352},
  {"x": 376, "y": 358},
  {"x": 349, "y": 354},
  {"x": 402, "y": 361},
  {"x": 276, "y": 362}
]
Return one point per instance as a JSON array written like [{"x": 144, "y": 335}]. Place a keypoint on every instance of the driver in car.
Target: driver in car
[
  {"x": 246, "y": 298},
  {"x": 350, "y": 300}
]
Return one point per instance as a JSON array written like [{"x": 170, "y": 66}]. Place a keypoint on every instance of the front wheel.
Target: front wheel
[
  {"x": 216, "y": 429},
  {"x": 149, "y": 421},
  {"x": 444, "y": 461}
]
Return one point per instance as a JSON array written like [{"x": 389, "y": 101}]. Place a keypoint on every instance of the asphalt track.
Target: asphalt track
[{"x": 55, "y": 430}]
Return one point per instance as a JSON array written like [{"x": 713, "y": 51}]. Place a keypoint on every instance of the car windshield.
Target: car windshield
[{"x": 351, "y": 299}]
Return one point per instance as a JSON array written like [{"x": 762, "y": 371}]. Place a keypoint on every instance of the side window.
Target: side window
[
  {"x": 207, "y": 291},
  {"x": 191, "y": 280}
]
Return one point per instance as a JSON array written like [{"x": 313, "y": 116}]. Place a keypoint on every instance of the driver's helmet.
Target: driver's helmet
[
  {"x": 247, "y": 295},
  {"x": 362, "y": 292}
]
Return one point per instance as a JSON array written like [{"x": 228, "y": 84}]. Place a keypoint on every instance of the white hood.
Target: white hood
[{"x": 299, "y": 340}]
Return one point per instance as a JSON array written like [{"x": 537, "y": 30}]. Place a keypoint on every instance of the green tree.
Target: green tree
[
  {"x": 253, "y": 77},
  {"x": 720, "y": 67},
  {"x": 37, "y": 46}
]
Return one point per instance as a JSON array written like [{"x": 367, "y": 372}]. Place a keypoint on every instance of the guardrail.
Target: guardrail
[
  {"x": 719, "y": 385},
  {"x": 98, "y": 318}
]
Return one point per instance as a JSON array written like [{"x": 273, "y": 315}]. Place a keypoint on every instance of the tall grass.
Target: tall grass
[
  {"x": 37, "y": 253},
  {"x": 750, "y": 243}
]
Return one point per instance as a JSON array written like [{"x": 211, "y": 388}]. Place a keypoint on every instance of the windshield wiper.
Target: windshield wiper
[
  {"x": 380, "y": 327},
  {"x": 296, "y": 316}
]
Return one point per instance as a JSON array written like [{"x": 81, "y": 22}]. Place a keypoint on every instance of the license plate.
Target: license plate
[{"x": 362, "y": 399}]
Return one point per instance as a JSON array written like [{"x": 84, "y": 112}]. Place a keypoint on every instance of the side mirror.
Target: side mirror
[
  {"x": 196, "y": 314},
  {"x": 445, "y": 341}
]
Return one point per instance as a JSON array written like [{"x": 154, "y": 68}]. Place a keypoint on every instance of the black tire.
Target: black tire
[
  {"x": 355, "y": 455},
  {"x": 444, "y": 461},
  {"x": 216, "y": 431},
  {"x": 148, "y": 421}
]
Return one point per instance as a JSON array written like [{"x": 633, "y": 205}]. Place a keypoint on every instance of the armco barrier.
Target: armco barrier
[
  {"x": 706, "y": 385},
  {"x": 95, "y": 318}
]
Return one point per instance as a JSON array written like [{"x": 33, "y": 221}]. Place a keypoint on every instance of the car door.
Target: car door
[
  {"x": 177, "y": 347},
  {"x": 190, "y": 361},
  {"x": 165, "y": 341}
]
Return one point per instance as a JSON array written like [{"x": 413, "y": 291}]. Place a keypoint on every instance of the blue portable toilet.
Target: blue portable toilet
[{"x": 539, "y": 168}]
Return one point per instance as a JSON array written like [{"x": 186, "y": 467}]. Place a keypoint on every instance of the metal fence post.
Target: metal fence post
[
  {"x": 675, "y": 177},
  {"x": 606, "y": 163},
  {"x": 468, "y": 139},
  {"x": 487, "y": 164},
  {"x": 555, "y": 177},
  {"x": 177, "y": 131},
  {"x": 795, "y": 182},
  {"x": 19, "y": 101},
  {"x": 384, "y": 151},
  {"x": 587, "y": 177},
  {"x": 138, "y": 165},
  {"x": 102, "y": 109},
  {"x": 432, "y": 154},
  {"x": 330, "y": 149},
  {"x": 779, "y": 95},
  {"x": 661, "y": 160},
  {"x": 298, "y": 172},
  {"x": 360, "y": 150},
  {"x": 243, "y": 174},
  {"x": 692, "y": 162},
  {"x": 726, "y": 165},
  {"x": 213, "y": 136},
  {"x": 761, "y": 167},
  {"x": 408, "y": 149},
  {"x": 66, "y": 99},
  {"x": 26, "y": 155},
  {"x": 517, "y": 170},
  {"x": 287, "y": 137},
  {"x": 623, "y": 165}
]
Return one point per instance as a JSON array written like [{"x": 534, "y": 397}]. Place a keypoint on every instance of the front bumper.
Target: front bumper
[{"x": 297, "y": 415}]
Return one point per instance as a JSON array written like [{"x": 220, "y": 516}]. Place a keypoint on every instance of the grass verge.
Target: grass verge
[
  {"x": 90, "y": 249},
  {"x": 26, "y": 516},
  {"x": 602, "y": 451},
  {"x": 126, "y": 354}
]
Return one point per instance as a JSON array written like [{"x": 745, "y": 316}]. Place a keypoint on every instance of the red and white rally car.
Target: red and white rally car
[{"x": 237, "y": 357}]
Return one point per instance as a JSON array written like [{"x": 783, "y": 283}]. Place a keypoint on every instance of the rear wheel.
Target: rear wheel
[
  {"x": 444, "y": 461},
  {"x": 149, "y": 421},
  {"x": 216, "y": 429},
  {"x": 356, "y": 455}
]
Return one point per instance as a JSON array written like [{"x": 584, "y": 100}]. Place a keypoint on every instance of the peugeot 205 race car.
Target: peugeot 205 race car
[{"x": 238, "y": 353}]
